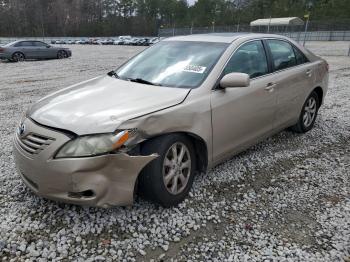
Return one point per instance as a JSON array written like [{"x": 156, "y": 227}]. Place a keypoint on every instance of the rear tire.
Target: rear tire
[
  {"x": 308, "y": 114},
  {"x": 168, "y": 179},
  {"x": 62, "y": 54},
  {"x": 18, "y": 57}
]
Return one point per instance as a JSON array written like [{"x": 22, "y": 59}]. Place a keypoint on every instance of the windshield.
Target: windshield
[{"x": 173, "y": 63}]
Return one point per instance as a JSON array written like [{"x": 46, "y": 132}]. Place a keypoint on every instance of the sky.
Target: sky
[{"x": 191, "y": 2}]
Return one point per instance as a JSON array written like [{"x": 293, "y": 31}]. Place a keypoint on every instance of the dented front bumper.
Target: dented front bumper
[{"x": 101, "y": 181}]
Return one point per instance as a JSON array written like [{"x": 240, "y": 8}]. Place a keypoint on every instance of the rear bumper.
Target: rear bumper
[
  {"x": 5, "y": 56},
  {"x": 101, "y": 181}
]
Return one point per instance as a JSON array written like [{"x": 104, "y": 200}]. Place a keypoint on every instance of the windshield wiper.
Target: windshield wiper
[
  {"x": 137, "y": 80},
  {"x": 143, "y": 81},
  {"x": 113, "y": 73}
]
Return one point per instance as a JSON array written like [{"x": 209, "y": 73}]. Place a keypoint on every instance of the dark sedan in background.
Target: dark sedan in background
[{"x": 21, "y": 50}]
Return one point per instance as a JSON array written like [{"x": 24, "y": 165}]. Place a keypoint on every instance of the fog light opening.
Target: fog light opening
[{"x": 83, "y": 194}]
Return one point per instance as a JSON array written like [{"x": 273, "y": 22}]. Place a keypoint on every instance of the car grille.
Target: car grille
[{"x": 34, "y": 143}]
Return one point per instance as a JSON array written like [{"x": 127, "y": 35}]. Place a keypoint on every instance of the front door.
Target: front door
[
  {"x": 42, "y": 50},
  {"x": 241, "y": 116}
]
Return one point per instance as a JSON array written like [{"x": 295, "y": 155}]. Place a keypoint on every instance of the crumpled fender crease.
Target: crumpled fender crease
[{"x": 115, "y": 178}]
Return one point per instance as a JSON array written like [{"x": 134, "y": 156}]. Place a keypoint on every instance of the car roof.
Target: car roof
[
  {"x": 24, "y": 40},
  {"x": 220, "y": 37},
  {"x": 16, "y": 42}
]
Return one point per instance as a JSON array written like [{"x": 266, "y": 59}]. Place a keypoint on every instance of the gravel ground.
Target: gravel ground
[{"x": 286, "y": 199}]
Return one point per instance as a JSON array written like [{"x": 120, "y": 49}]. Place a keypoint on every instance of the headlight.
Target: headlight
[{"x": 93, "y": 145}]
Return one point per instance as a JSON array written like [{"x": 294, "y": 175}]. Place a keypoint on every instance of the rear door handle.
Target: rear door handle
[{"x": 270, "y": 87}]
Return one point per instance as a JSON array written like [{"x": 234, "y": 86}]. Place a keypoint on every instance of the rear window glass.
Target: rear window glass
[
  {"x": 282, "y": 54},
  {"x": 24, "y": 43},
  {"x": 300, "y": 57},
  {"x": 10, "y": 44}
]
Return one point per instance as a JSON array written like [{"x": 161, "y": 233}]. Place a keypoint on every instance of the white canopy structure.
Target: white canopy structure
[{"x": 283, "y": 21}]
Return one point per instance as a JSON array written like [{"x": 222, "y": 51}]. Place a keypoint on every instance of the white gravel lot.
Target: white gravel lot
[{"x": 286, "y": 199}]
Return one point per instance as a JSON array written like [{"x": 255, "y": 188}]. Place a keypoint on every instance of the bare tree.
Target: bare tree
[{"x": 145, "y": 17}]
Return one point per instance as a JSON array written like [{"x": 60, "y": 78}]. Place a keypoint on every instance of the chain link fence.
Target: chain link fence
[
  {"x": 298, "y": 36},
  {"x": 317, "y": 30}
]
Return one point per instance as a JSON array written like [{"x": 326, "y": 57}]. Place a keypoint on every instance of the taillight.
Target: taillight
[
  {"x": 2, "y": 49},
  {"x": 327, "y": 67}
]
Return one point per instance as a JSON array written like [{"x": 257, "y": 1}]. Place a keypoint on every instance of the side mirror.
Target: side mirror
[
  {"x": 48, "y": 46},
  {"x": 235, "y": 80}
]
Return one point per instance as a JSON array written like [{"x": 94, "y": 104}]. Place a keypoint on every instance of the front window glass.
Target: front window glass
[
  {"x": 174, "y": 63},
  {"x": 41, "y": 44},
  {"x": 250, "y": 59}
]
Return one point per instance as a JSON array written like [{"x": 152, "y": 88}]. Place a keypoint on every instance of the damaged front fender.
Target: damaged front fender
[
  {"x": 109, "y": 179},
  {"x": 113, "y": 181}
]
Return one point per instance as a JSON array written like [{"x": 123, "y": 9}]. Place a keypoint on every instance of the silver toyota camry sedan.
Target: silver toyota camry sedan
[{"x": 175, "y": 110}]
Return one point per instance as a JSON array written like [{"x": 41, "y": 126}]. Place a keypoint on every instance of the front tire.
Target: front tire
[
  {"x": 308, "y": 114},
  {"x": 168, "y": 179},
  {"x": 62, "y": 54}
]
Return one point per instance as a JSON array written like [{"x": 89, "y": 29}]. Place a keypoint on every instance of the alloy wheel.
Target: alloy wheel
[
  {"x": 62, "y": 54},
  {"x": 176, "y": 168},
  {"x": 310, "y": 112},
  {"x": 18, "y": 57}
]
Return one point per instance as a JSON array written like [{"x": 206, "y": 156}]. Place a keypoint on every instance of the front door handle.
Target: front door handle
[
  {"x": 309, "y": 72},
  {"x": 270, "y": 87}
]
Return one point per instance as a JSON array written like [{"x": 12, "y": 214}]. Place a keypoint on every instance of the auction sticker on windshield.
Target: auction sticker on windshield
[{"x": 195, "y": 69}]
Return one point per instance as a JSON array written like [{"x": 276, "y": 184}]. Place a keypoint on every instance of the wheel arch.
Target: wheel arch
[
  {"x": 319, "y": 91},
  {"x": 61, "y": 50},
  {"x": 200, "y": 147},
  {"x": 18, "y": 52}
]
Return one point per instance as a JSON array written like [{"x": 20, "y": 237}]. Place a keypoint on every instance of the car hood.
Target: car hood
[{"x": 101, "y": 104}]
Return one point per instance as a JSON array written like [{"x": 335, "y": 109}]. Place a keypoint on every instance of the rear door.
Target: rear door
[
  {"x": 293, "y": 77},
  {"x": 241, "y": 116},
  {"x": 27, "y": 48}
]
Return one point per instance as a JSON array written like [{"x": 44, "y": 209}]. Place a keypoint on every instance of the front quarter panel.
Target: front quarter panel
[{"x": 193, "y": 117}]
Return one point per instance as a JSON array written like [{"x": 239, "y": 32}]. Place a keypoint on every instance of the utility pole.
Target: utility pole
[
  {"x": 309, "y": 7},
  {"x": 307, "y": 16},
  {"x": 306, "y": 27},
  {"x": 213, "y": 22},
  {"x": 42, "y": 24},
  {"x": 238, "y": 7},
  {"x": 173, "y": 16},
  {"x": 268, "y": 27}
]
